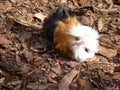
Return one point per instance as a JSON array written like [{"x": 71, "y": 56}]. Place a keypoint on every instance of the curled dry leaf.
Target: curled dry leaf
[
  {"x": 40, "y": 16},
  {"x": 26, "y": 36},
  {"x": 38, "y": 61},
  {"x": 37, "y": 86},
  {"x": 85, "y": 20},
  {"x": 74, "y": 86},
  {"x": 67, "y": 79},
  {"x": 85, "y": 84},
  {"x": 105, "y": 40},
  {"x": 72, "y": 63},
  {"x": 5, "y": 41},
  {"x": 109, "y": 1},
  {"x": 28, "y": 55},
  {"x": 107, "y": 52},
  {"x": 117, "y": 69},
  {"x": 50, "y": 79},
  {"x": 102, "y": 59},
  {"x": 109, "y": 68},
  {"x": 95, "y": 58},
  {"x": 14, "y": 82},
  {"x": 4, "y": 7},
  {"x": 63, "y": 1},
  {"x": 17, "y": 87},
  {"x": 112, "y": 88},
  {"x": 13, "y": 1},
  {"x": 45, "y": 1},
  {"x": 116, "y": 76},
  {"x": 2, "y": 79},
  {"x": 24, "y": 68},
  {"x": 57, "y": 69},
  {"x": 100, "y": 24}
]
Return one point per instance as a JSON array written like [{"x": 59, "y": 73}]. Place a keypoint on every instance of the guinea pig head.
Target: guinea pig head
[{"x": 85, "y": 42}]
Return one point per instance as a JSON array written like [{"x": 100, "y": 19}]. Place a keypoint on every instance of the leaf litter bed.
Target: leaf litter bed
[{"x": 30, "y": 62}]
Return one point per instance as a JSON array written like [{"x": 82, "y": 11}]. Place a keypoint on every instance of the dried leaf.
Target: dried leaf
[
  {"x": 28, "y": 55},
  {"x": 85, "y": 20},
  {"x": 26, "y": 36},
  {"x": 109, "y": 68},
  {"x": 14, "y": 83},
  {"x": 52, "y": 80},
  {"x": 3, "y": 7},
  {"x": 17, "y": 87},
  {"x": 85, "y": 84},
  {"x": 100, "y": 24},
  {"x": 112, "y": 88},
  {"x": 117, "y": 69},
  {"x": 109, "y": 1},
  {"x": 63, "y": 1},
  {"x": 24, "y": 68},
  {"x": 38, "y": 61},
  {"x": 74, "y": 86},
  {"x": 67, "y": 79},
  {"x": 107, "y": 52},
  {"x": 2, "y": 79},
  {"x": 72, "y": 63},
  {"x": 40, "y": 16},
  {"x": 37, "y": 86},
  {"x": 52, "y": 74},
  {"x": 57, "y": 69},
  {"x": 93, "y": 59},
  {"x": 5, "y": 41},
  {"x": 13, "y": 1},
  {"x": 116, "y": 76},
  {"x": 45, "y": 1}
]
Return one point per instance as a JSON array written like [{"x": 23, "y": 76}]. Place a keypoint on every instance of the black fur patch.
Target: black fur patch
[{"x": 51, "y": 22}]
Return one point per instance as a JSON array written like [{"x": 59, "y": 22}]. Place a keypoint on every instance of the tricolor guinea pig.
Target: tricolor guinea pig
[{"x": 70, "y": 36}]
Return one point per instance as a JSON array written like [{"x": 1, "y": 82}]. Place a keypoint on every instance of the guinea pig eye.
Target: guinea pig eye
[
  {"x": 86, "y": 49},
  {"x": 77, "y": 38}
]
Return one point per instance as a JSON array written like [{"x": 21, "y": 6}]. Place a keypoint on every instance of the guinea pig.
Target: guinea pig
[{"x": 70, "y": 36}]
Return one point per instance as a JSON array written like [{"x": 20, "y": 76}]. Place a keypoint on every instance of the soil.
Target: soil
[{"x": 30, "y": 62}]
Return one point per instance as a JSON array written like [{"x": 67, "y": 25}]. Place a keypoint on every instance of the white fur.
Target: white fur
[{"x": 89, "y": 37}]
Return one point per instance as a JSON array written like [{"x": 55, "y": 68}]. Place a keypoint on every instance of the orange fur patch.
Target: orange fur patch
[{"x": 61, "y": 38}]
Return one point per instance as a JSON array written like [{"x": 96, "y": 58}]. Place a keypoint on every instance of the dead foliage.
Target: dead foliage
[{"x": 30, "y": 62}]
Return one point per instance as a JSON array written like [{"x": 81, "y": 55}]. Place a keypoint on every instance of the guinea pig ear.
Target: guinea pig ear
[
  {"x": 62, "y": 12},
  {"x": 79, "y": 41},
  {"x": 77, "y": 38},
  {"x": 65, "y": 13}
]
